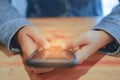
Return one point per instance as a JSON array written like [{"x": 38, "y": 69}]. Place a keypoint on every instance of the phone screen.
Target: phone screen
[
  {"x": 54, "y": 52},
  {"x": 55, "y": 56}
]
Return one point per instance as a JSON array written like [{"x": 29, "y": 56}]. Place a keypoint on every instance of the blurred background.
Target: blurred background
[
  {"x": 108, "y": 5},
  {"x": 37, "y": 8}
]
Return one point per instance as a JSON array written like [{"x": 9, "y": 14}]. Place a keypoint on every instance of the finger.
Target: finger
[
  {"x": 39, "y": 39},
  {"x": 83, "y": 53},
  {"x": 78, "y": 41},
  {"x": 27, "y": 45}
]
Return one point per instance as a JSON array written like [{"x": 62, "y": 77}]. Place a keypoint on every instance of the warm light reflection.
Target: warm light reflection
[
  {"x": 55, "y": 52},
  {"x": 57, "y": 42}
]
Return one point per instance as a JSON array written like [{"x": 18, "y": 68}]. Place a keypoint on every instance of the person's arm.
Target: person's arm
[
  {"x": 10, "y": 22},
  {"x": 104, "y": 37},
  {"x": 111, "y": 25},
  {"x": 15, "y": 29}
]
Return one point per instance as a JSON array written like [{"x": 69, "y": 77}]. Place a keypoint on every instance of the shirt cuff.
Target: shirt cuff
[
  {"x": 113, "y": 29},
  {"x": 111, "y": 48},
  {"x": 9, "y": 31}
]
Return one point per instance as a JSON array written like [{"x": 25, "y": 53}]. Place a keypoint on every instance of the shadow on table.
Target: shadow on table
[{"x": 74, "y": 73}]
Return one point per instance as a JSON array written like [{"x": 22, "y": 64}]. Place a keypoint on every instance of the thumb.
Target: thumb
[
  {"x": 75, "y": 42},
  {"x": 39, "y": 39},
  {"x": 86, "y": 51}
]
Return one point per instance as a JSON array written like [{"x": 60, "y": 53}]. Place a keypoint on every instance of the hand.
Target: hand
[
  {"x": 29, "y": 39},
  {"x": 88, "y": 43}
]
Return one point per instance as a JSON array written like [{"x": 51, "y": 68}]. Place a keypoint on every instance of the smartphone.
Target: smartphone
[{"x": 55, "y": 56}]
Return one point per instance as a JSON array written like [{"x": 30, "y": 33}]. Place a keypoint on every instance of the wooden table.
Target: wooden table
[{"x": 96, "y": 67}]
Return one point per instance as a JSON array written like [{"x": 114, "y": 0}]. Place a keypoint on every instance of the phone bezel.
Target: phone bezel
[{"x": 47, "y": 63}]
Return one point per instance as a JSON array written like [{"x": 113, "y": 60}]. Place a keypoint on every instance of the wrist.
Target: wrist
[{"x": 105, "y": 35}]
